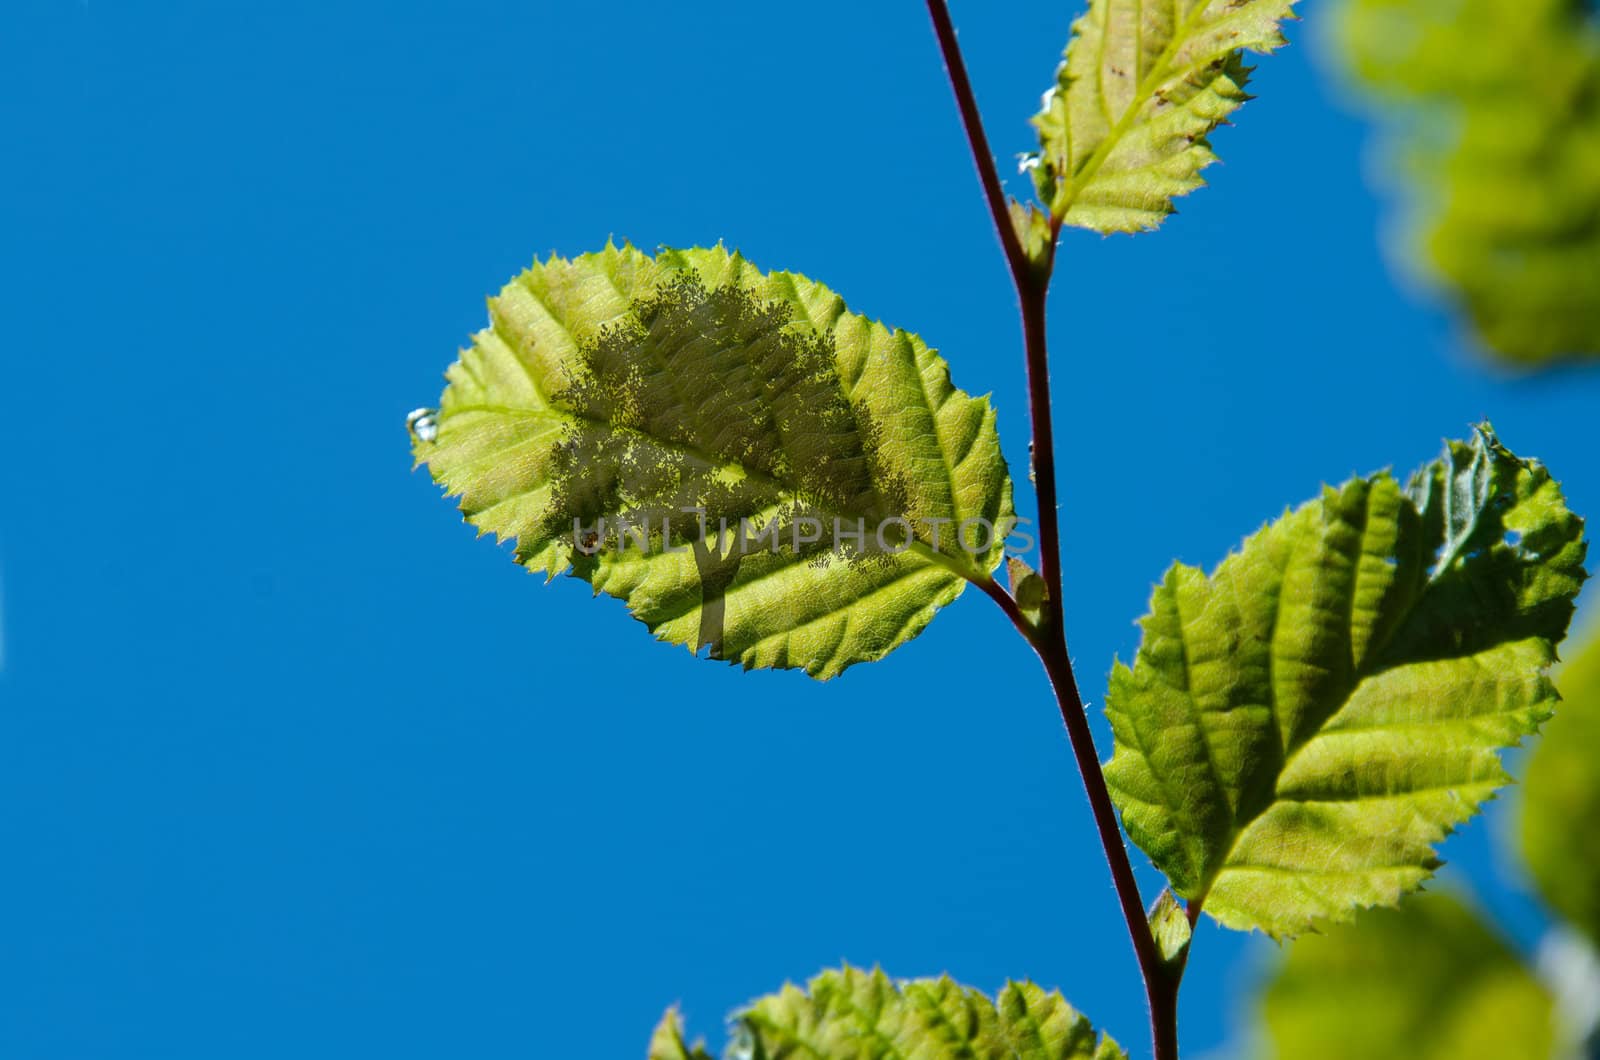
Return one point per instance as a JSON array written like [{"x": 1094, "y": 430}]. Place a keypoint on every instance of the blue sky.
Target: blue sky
[{"x": 290, "y": 764}]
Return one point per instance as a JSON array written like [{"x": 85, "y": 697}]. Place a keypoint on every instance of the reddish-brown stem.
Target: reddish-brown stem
[
  {"x": 1008, "y": 603},
  {"x": 1048, "y": 636}
]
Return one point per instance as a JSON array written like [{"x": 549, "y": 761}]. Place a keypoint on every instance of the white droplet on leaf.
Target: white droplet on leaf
[{"x": 423, "y": 424}]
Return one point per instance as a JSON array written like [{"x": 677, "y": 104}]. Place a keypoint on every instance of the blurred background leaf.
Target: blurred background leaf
[
  {"x": 1491, "y": 112},
  {"x": 1561, "y": 799},
  {"x": 1430, "y": 979}
]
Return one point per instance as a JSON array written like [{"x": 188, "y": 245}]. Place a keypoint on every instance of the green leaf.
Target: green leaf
[
  {"x": 668, "y": 1042},
  {"x": 1299, "y": 729},
  {"x": 852, "y": 1014},
  {"x": 1035, "y": 235},
  {"x": 616, "y": 386},
  {"x": 1561, "y": 798},
  {"x": 1428, "y": 981},
  {"x": 1027, "y": 588},
  {"x": 1144, "y": 83},
  {"x": 1493, "y": 109},
  {"x": 1170, "y": 927}
]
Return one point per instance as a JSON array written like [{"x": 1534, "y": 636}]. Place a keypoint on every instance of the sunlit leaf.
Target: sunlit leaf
[
  {"x": 1300, "y": 728},
  {"x": 852, "y": 1014},
  {"x": 668, "y": 1042},
  {"x": 811, "y": 486},
  {"x": 1144, "y": 83}
]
